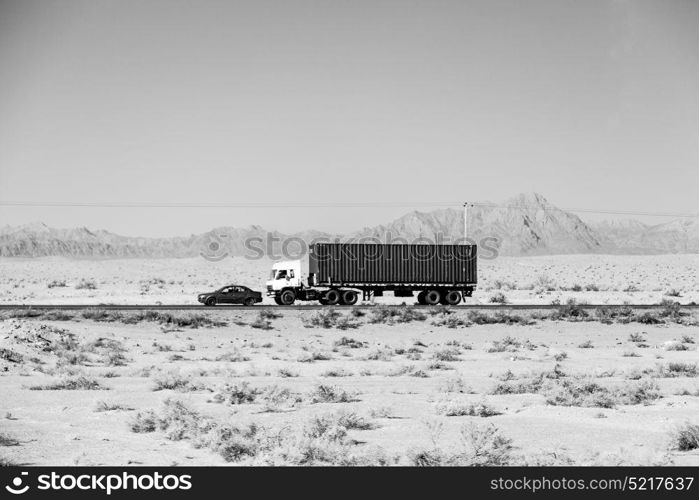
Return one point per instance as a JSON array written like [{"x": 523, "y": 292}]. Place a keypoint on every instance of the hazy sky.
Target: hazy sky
[{"x": 591, "y": 103}]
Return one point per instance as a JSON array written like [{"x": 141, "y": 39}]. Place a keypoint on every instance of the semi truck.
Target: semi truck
[{"x": 339, "y": 272}]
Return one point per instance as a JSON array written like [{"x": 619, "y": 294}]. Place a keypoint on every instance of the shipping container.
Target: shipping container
[{"x": 366, "y": 265}]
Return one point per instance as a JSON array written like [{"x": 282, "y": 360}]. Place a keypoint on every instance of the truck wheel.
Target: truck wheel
[
  {"x": 432, "y": 297},
  {"x": 452, "y": 297},
  {"x": 332, "y": 297},
  {"x": 349, "y": 298},
  {"x": 421, "y": 298},
  {"x": 277, "y": 300},
  {"x": 287, "y": 298},
  {"x": 211, "y": 301},
  {"x": 249, "y": 302}
]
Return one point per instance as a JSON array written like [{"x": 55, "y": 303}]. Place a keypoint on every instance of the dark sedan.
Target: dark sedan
[{"x": 231, "y": 294}]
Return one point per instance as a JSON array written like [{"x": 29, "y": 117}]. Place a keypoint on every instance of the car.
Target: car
[{"x": 231, "y": 294}]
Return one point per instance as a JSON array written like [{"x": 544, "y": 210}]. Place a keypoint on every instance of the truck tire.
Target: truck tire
[
  {"x": 332, "y": 297},
  {"x": 421, "y": 298},
  {"x": 432, "y": 297},
  {"x": 287, "y": 297},
  {"x": 277, "y": 300},
  {"x": 349, "y": 298},
  {"x": 452, "y": 297},
  {"x": 211, "y": 301}
]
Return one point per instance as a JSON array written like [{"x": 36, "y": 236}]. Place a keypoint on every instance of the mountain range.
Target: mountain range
[{"x": 526, "y": 224}]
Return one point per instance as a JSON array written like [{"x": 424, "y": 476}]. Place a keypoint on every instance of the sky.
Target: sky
[{"x": 593, "y": 104}]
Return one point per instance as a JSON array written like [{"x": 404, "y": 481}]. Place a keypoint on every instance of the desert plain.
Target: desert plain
[{"x": 349, "y": 385}]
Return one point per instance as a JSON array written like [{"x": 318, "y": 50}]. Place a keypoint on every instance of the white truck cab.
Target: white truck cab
[{"x": 285, "y": 274}]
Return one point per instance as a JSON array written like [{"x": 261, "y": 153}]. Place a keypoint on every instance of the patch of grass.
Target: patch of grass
[
  {"x": 234, "y": 356},
  {"x": 337, "y": 372}
]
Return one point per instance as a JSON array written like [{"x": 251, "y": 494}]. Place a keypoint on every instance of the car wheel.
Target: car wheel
[
  {"x": 349, "y": 298},
  {"x": 211, "y": 301},
  {"x": 452, "y": 298},
  {"x": 249, "y": 302},
  {"x": 332, "y": 297},
  {"x": 287, "y": 298},
  {"x": 432, "y": 297}
]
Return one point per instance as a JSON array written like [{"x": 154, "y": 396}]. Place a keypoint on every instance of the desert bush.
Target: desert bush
[
  {"x": 56, "y": 284},
  {"x": 449, "y": 321},
  {"x": 479, "y": 446},
  {"x": 389, "y": 315},
  {"x": 330, "y": 394},
  {"x": 348, "y": 342},
  {"x": 447, "y": 354},
  {"x": 325, "y": 318},
  {"x": 686, "y": 339},
  {"x": 570, "y": 311},
  {"x": 686, "y": 438},
  {"x": 677, "y": 369},
  {"x": 673, "y": 292},
  {"x": 337, "y": 372},
  {"x": 498, "y": 298},
  {"x": 234, "y": 356},
  {"x": 500, "y": 317},
  {"x": 591, "y": 287},
  {"x": 77, "y": 383},
  {"x": 86, "y": 285},
  {"x": 453, "y": 408},
  {"x": 11, "y": 356},
  {"x": 237, "y": 394},
  {"x": 172, "y": 380},
  {"x": 586, "y": 345},
  {"x": 7, "y": 440},
  {"x": 101, "y": 406},
  {"x": 675, "y": 345},
  {"x": 636, "y": 337}
]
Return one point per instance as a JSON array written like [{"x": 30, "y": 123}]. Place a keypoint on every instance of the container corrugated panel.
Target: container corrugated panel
[{"x": 370, "y": 263}]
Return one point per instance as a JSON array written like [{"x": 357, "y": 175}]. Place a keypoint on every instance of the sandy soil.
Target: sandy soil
[
  {"x": 63, "y": 427},
  {"x": 598, "y": 279}
]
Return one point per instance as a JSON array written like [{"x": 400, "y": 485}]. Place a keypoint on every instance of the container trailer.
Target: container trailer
[{"x": 339, "y": 272}]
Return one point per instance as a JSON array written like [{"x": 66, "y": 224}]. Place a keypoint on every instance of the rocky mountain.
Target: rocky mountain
[{"x": 524, "y": 225}]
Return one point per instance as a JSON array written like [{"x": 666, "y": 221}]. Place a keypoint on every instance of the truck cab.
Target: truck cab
[{"x": 285, "y": 274}]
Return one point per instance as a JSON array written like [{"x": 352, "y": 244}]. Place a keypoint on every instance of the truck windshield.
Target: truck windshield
[{"x": 281, "y": 274}]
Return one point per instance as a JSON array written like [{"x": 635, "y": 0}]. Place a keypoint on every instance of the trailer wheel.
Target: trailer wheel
[
  {"x": 421, "y": 298},
  {"x": 211, "y": 301},
  {"x": 349, "y": 298},
  {"x": 452, "y": 297},
  {"x": 332, "y": 297},
  {"x": 287, "y": 298},
  {"x": 432, "y": 297}
]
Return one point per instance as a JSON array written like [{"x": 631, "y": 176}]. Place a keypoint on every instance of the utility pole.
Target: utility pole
[{"x": 467, "y": 205}]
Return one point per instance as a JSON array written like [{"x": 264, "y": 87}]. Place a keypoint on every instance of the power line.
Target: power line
[{"x": 306, "y": 204}]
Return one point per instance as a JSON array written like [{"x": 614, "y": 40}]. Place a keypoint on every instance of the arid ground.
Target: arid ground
[
  {"x": 598, "y": 279},
  {"x": 348, "y": 386}
]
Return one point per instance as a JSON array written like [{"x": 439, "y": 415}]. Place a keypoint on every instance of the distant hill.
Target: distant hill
[{"x": 526, "y": 224}]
